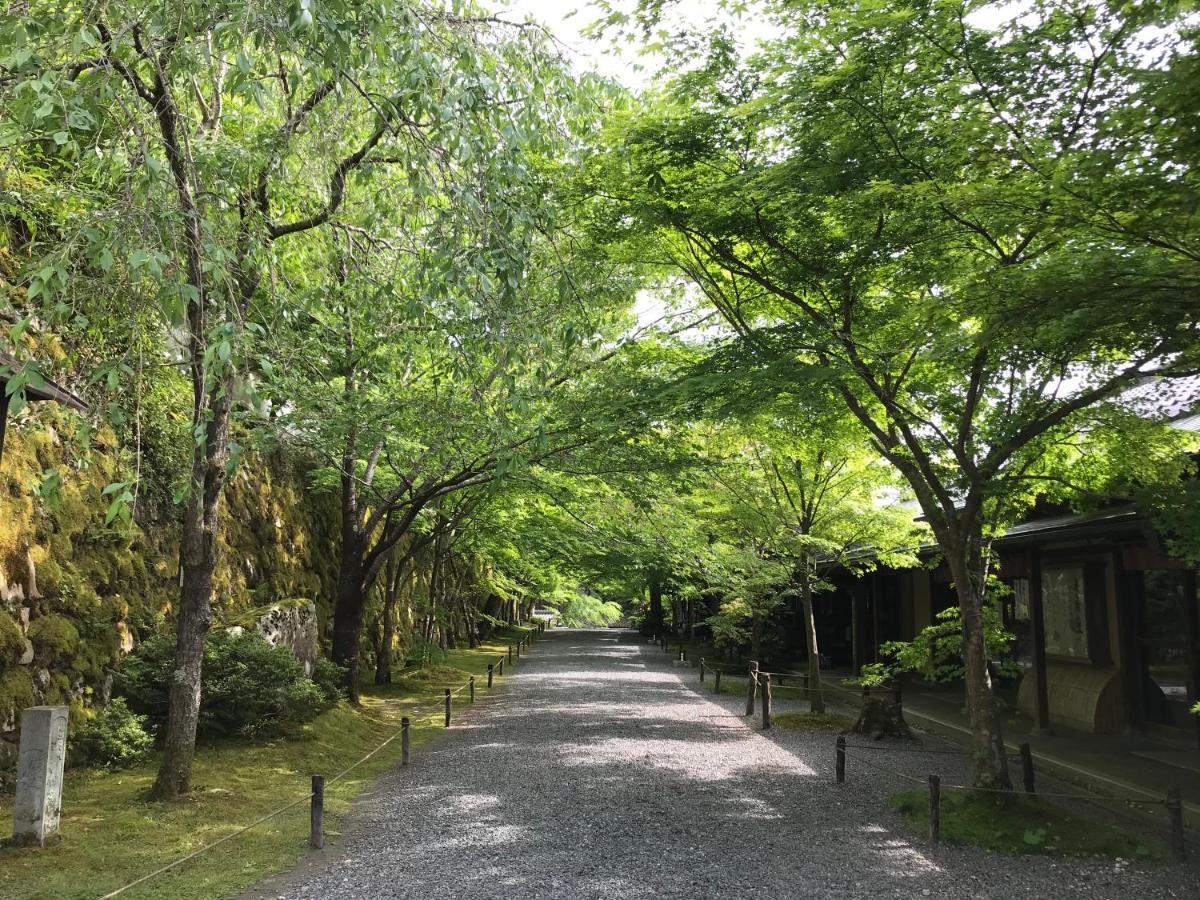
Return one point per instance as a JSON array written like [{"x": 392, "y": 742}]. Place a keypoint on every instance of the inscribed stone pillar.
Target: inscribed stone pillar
[{"x": 40, "y": 773}]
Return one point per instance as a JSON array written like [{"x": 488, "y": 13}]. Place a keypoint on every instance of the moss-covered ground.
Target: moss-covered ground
[
  {"x": 833, "y": 723},
  {"x": 1016, "y": 824},
  {"x": 111, "y": 834}
]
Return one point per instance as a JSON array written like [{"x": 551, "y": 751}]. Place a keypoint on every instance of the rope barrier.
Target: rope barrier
[
  {"x": 431, "y": 705},
  {"x": 207, "y": 847},
  {"x": 1006, "y": 791}
]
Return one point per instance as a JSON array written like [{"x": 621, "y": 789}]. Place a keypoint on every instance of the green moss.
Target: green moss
[
  {"x": 12, "y": 642},
  {"x": 54, "y": 637},
  {"x": 16, "y": 691},
  {"x": 1015, "y": 824},
  {"x": 833, "y": 723}
]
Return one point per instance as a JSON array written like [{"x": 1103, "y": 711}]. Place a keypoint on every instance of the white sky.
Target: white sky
[{"x": 567, "y": 18}]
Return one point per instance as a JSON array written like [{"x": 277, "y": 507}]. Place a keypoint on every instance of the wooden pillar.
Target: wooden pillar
[
  {"x": 1038, "y": 623},
  {"x": 858, "y": 619},
  {"x": 873, "y": 643},
  {"x": 1128, "y": 588},
  {"x": 1191, "y": 605}
]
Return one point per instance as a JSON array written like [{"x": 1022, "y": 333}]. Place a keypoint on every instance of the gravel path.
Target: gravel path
[{"x": 597, "y": 772}]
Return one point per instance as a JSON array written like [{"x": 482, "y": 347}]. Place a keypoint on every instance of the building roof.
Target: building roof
[
  {"x": 45, "y": 389},
  {"x": 1171, "y": 400}
]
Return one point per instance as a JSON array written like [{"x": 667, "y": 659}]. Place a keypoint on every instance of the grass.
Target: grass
[
  {"x": 1015, "y": 824},
  {"x": 111, "y": 834},
  {"x": 833, "y": 723}
]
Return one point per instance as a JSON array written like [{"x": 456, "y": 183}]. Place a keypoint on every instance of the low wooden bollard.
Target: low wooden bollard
[
  {"x": 510, "y": 654},
  {"x": 766, "y": 700},
  {"x": 471, "y": 688},
  {"x": 702, "y": 670},
  {"x": 316, "y": 814},
  {"x": 717, "y": 681},
  {"x": 840, "y": 765},
  {"x": 1175, "y": 814},
  {"x": 519, "y": 649},
  {"x": 751, "y": 688},
  {"x": 491, "y": 674},
  {"x": 404, "y": 740},
  {"x": 1027, "y": 768},
  {"x": 500, "y": 670},
  {"x": 935, "y": 809},
  {"x": 447, "y": 707}
]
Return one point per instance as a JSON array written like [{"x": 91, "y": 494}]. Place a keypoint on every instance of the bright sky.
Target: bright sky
[{"x": 566, "y": 18}]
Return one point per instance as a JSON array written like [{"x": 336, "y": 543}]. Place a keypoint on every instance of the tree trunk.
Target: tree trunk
[
  {"x": 654, "y": 617},
  {"x": 383, "y": 661},
  {"x": 348, "y": 611},
  {"x": 816, "y": 699},
  {"x": 198, "y": 560},
  {"x": 965, "y": 560},
  {"x": 756, "y": 636}
]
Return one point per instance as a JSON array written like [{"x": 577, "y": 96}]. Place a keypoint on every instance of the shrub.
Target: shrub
[
  {"x": 247, "y": 686},
  {"x": 330, "y": 679},
  {"x": 116, "y": 738}
]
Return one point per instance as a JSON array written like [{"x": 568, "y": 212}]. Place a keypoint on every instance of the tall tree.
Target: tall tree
[{"x": 934, "y": 214}]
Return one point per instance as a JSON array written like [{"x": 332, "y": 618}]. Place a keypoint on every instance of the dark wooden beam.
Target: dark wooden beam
[{"x": 1038, "y": 622}]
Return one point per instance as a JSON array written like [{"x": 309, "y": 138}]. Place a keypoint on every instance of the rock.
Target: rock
[
  {"x": 293, "y": 625},
  {"x": 124, "y": 637},
  {"x": 27, "y": 656}
]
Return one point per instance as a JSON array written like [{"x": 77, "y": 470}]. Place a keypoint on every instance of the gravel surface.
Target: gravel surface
[{"x": 597, "y": 771}]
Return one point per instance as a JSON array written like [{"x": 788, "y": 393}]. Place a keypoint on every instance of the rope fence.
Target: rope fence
[
  {"x": 760, "y": 682},
  {"x": 316, "y": 794}
]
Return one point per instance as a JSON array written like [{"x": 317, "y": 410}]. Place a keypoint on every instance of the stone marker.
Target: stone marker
[{"x": 40, "y": 773}]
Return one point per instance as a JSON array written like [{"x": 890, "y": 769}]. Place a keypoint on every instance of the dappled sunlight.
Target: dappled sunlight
[{"x": 680, "y": 756}]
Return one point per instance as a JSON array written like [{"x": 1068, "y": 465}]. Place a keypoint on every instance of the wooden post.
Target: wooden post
[
  {"x": 751, "y": 688},
  {"x": 471, "y": 687},
  {"x": 682, "y": 656},
  {"x": 519, "y": 649},
  {"x": 1027, "y": 768},
  {"x": 510, "y": 654},
  {"x": 702, "y": 670},
  {"x": 447, "y": 707},
  {"x": 1038, "y": 627},
  {"x": 1175, "y": 814},
  {"x": 491, "y": 674},
  {"x": 717, "y": 681},
  {"x": 766, "y": 700},
  {"x": 316, "y": 814},
  {"x": 935, "y": 809},
  {"x": 404, "y": 740},
  {"x": 840, "y": 768},
  {"x": 500, "y": 670}
]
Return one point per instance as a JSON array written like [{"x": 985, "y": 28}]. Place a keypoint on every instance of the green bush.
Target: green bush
[
  {"x": 330, "y": 679},
  {"x": 116, "y": 738},
  {"x": 247, "y": 686}
]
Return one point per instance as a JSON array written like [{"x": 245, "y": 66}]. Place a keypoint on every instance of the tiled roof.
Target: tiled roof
[{"x": 1165, "y": 399}]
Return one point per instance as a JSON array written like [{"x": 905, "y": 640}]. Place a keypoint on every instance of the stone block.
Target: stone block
[
  {"x": 293, "y": 624},
  {"x": 43, "y": 753}
]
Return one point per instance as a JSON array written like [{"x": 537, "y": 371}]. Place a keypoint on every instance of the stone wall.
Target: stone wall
[{"x": 77, "y": 594}]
